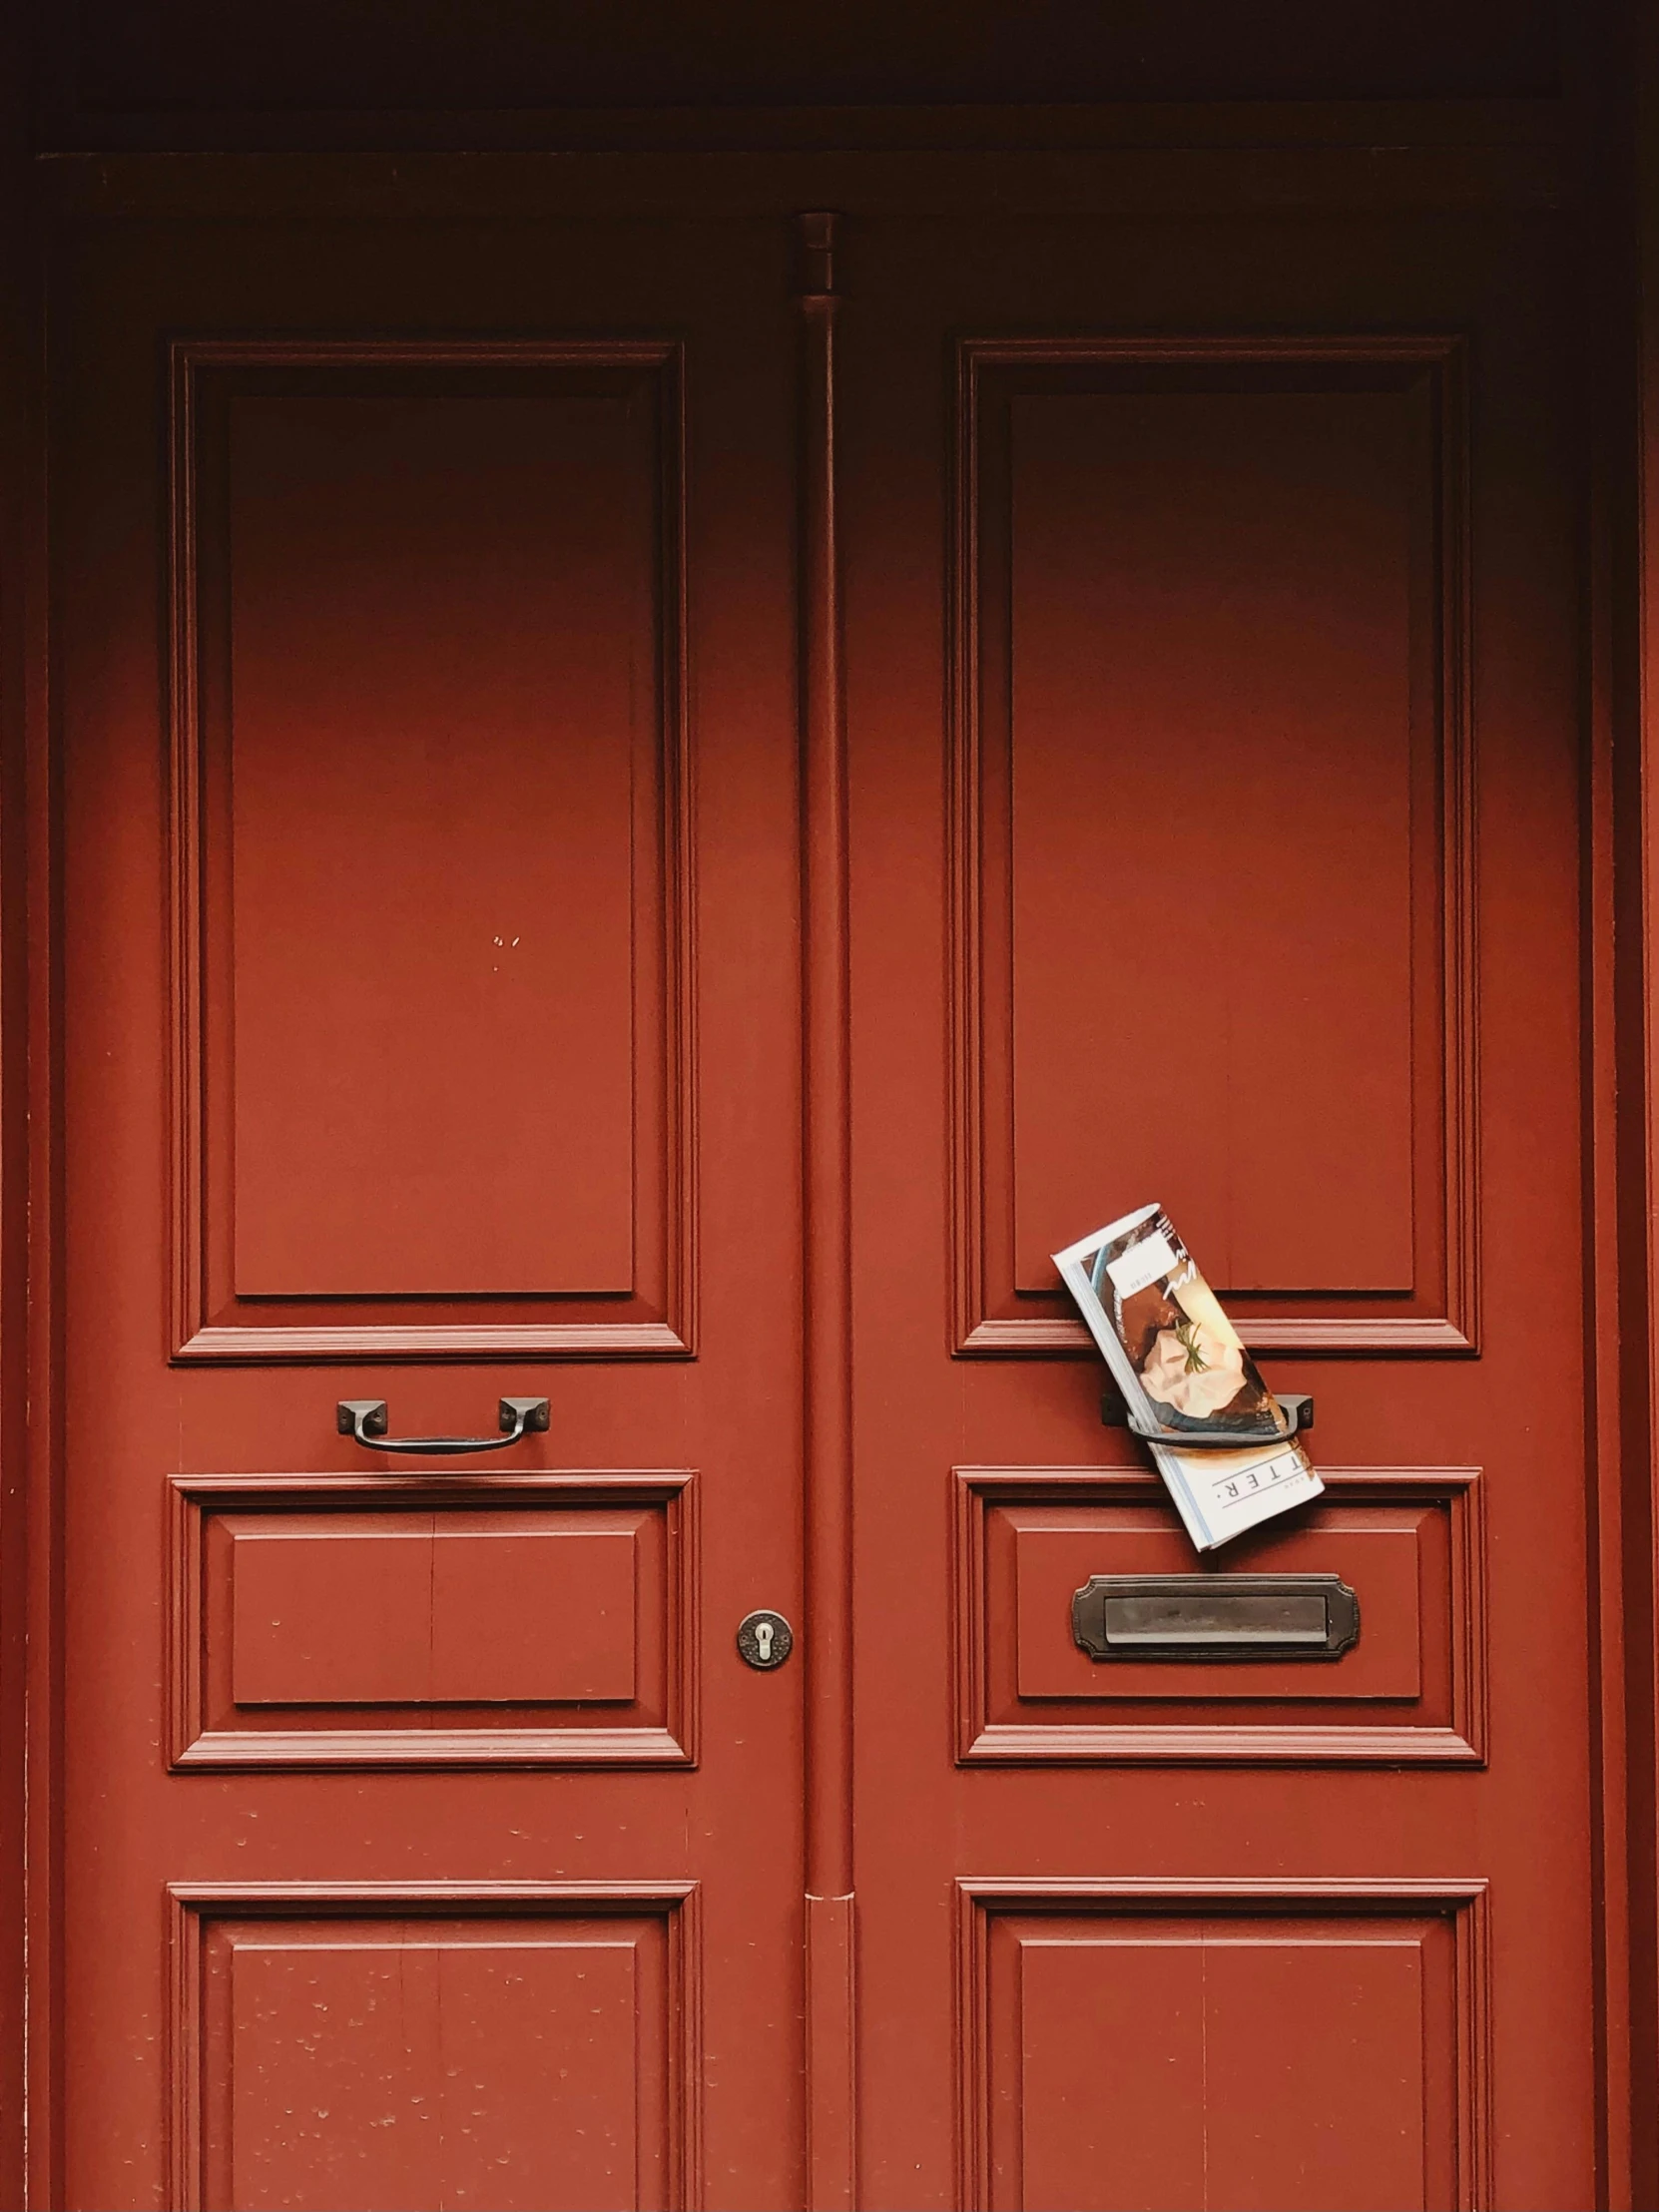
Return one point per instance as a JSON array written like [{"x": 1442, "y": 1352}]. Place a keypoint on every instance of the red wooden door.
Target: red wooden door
[
  {"x": 431, "y": 834},
  {"x": 429, "y": 985},
  {"x": 1213, "y": 828}
]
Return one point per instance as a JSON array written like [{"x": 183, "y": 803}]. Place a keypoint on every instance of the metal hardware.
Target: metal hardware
[
  {"x": 1299, "y": 1414},
  {"x": 765, "y": 1640},
  {"x": 1215, "y": 1616},
  {"x": 366, "y": 1420}
]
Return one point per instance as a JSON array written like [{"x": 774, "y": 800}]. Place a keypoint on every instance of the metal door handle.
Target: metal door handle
[{"x": 366, "y": 1420}]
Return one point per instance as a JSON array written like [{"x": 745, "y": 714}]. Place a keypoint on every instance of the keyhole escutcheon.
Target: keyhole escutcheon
[{"x": 765, "y": 1640}]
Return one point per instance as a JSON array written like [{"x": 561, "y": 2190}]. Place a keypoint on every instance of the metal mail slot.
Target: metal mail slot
[{"x": 1215, "y": 1616}]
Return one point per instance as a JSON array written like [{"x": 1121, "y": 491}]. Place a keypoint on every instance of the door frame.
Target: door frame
[{"x": 1610, "y": 170}]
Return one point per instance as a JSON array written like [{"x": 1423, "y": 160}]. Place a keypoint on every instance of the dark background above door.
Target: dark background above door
[{"x": 199, "y": 72}]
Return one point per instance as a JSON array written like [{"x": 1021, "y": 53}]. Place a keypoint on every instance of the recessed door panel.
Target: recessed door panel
[
  {"x": 1255, "y": 2056},
  {"x": 1408, "y": 1542},
  {"x": 1211, "y": 825},
  {"x": 505, "y": 1622},
  {"x": 385, "y": 2050},
  {"x": 444, "y": 641},
  {"x": 430, "y": 760}
]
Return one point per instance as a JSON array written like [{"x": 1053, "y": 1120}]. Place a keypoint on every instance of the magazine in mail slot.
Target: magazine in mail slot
[{"x": 1182, "y": 1369}]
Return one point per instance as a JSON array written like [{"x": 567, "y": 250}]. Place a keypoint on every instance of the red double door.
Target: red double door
[{"x": 447, "y": 717}]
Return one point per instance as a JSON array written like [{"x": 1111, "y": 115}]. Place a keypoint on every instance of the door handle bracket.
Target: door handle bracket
[{"x": 366, "y": 1420}]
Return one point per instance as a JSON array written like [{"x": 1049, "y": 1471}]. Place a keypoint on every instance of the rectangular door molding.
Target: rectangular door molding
[
  {"x": 1164, "y": 888},
  {"x": 1089, "y": 2009},
  {"x": 503, "y": 1621},
  {"x": 1409, "y": 1541},
  {"x": 431, "y": 826},
  {"x": 602, "y": 1984}
]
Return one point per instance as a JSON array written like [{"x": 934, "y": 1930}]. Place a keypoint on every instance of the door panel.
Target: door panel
[
  {"x": 516, "y": 2049},
  {"x": 441, "y": 507},
  {"x": 1181, "y": 870},
  {"x": 429, "y": 719},
  {"x": 1413, "y": 1688},
  {"x": 492, "y": 1621},
  {"x": 399, "y": 571},
  {"x": 1103, "y": 2022},
  {"x": 1228, "y": 575},
  {"x": 444, "y": 681}
]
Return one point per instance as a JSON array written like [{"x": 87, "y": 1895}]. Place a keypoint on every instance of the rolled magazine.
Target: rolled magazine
[{"x": 1184, "y": 1373}]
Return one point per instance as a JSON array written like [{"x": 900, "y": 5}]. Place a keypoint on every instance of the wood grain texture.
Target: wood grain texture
[{"x": 999, "y": 1306}]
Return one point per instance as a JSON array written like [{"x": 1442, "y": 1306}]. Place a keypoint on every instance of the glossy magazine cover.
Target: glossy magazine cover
[{"x": 1184, "y": 1370}]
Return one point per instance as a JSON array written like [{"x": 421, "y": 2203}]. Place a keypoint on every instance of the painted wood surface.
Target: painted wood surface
[{"x": 791, "y": 1159}]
